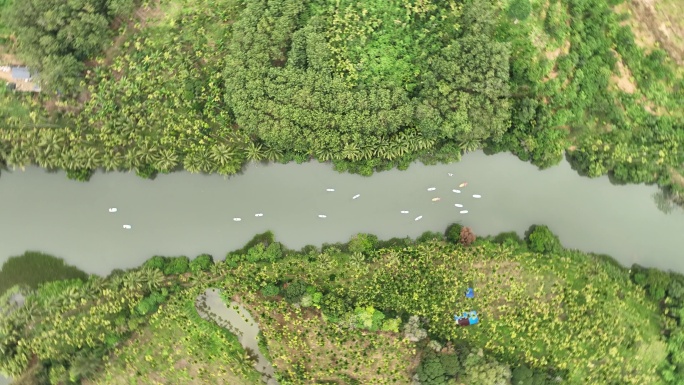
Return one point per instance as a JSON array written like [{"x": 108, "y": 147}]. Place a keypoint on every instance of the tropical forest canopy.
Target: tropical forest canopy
[
  {"x": 367, "y": 311},
  {"x": 208, "y": 85}
]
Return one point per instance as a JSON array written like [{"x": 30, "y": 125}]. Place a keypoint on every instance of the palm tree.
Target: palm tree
[
  {"x": 469, "y": 144},
  {"x": 357, "y": 258},
  {"x": 68, "y": 159},
  {"x": 153, "y": 278},
  {"x": 112, "y": 160},
  {"x": 88, "y": 158},
  {"x": 166, "y": 160},
  {"x": 51, "y": 141},
  {"x": 351, "y": 151},
  {"x": 48, "y": 160},
  {"x": 254, "y": 152},
  {"x": 204, "y": 158},
  {"x": 95, "y": 284},
  {"x": 147, "y": 151},
  {"x": 116, "y": 282},
  {"x": 273, "y": 154},
  {"x": 398, "y": 147},
  {"x": 192, "y": 162},
  {"x": 367, "y": 151},
  {"x": 406, "y": 140},
  {"x": 222, "y": 154},
  {"x": 132, "y": 158},
  {"x": 324, "y": 154},
  {"x": 133, "y": 280},
  {"x": 69, "y": 297},
  {"x": 32, "y": 142},
  {"x": 382, "y": 148},
  {"x": 18, "y": 157}
]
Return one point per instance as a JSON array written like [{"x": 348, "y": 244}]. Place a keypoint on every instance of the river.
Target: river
[{"x": 189, "y": 214}]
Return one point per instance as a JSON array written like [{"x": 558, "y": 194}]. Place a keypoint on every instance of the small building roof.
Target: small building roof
[{"x": 21, "y": 73}]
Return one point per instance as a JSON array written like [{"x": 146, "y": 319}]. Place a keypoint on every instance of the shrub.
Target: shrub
[
  {"x": 467, "y": 236},
  {"x": 394, "y": 242},
  {"x": 522, "y": 375},
  {"x": 658, "y": 283},
  {"x": 431, "y": 371},
  {"x": 255, "y": 253},
  {"x": 294, "y": 291},
  {"x": 156, "y": 262},
  {"x": 270, "y": 290},
  {"x": 333, "y": 306},
  {"x": 177, "y": 265},
  {"x": 453, "y": 233},
  {"x": 434, "y": 345},
  {"x": 368, "y": 318},
  {"x": 391, "y": 325},
  {"x": 540, "y": 239},
  {"x": 481, "y": 370},
  {"x": 362, "y": 243},
  {"x": 203, "y": 262},
  {"x": 519, "y": 9},
  {"x": 430, "y": 236},
  {"x": 307, "y": 300},
  {"x": 508, "y": 238},
  {"x": 81, "y": 174},
  {"x": 412, "y": 329},
  {"x": 151, "y": 303},
  {"x": 273, "y": 252},
  {"x": 451, "y": 364}
]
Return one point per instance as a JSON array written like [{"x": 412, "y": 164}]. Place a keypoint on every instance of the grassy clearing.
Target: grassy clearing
[
  {"x": 300, "y": 341},
  {"x": 178, "y": 347}
]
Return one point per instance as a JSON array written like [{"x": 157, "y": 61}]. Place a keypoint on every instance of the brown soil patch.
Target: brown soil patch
[
  {"x": 623, "y": 79},
  {"x": 553, "y": 55},
  {"x": 564, "y": 49},
  {"x": 658, "y": 24},
  {"x": 677, "y": 177}
]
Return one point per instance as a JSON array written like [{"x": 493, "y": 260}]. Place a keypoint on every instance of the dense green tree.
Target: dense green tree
[
  {"x": 362, "y": 243},
  {"x": 202, "y": 262},
  {"x": 177, "y": 265},
  {"x": 453, "y": 232},
  {"x": 479, "y": 369},
  {"x": 431, "y": 371},
  {"x": 294, "y": 291},
  {"x": 542, "y": 240},
  {"x": 519, "y": 9},
  {"x": 55, "y": 37}
]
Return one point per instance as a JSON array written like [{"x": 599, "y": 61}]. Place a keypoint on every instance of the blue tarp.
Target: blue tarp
[{"x": 470, "y": 293}]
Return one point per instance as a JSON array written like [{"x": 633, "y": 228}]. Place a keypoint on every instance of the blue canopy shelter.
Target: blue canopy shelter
[{"x": 467, "y": 318}]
